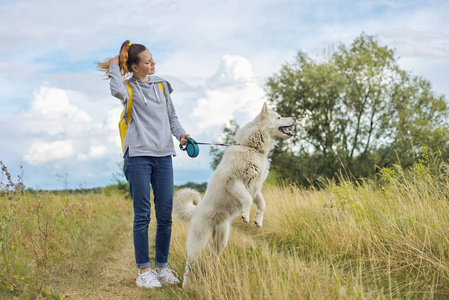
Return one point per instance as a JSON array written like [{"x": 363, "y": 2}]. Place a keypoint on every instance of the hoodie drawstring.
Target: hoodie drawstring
[
  {"x": 156, "y": 93},
  {"x": 143, "y": 95}
]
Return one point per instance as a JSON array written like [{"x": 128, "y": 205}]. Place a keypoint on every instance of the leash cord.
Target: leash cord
[{"x": 215, "y": 144}]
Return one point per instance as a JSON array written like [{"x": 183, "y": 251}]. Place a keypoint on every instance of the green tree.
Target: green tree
[
  {"x": 356, "y": 110},
  {"x": 200, "y": 187},
  {"x": 226, "y": 138}
]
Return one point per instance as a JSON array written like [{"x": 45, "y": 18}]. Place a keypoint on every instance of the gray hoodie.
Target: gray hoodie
[{"x": 153, "y": 116}]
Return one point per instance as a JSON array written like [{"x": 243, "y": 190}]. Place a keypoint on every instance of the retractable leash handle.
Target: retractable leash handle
[{"x": 192, "y": 147}]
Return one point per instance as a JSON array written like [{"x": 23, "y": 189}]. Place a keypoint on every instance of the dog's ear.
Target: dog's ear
[{"x": 264, "y": 111}]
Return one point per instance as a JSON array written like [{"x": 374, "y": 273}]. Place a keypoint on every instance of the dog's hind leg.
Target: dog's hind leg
[
  {"x": 197, "y": 239},
  {"x": 220, "y": 236},
  {"x": 239, "y": 191},
  {"x": 260, "y": 204}
]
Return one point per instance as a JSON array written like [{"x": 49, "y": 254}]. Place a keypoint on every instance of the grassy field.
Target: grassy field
[{"x": 368, "y": 241}]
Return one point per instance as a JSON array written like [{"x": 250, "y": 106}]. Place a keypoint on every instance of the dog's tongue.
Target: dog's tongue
[{"x": 283, "y": 130}]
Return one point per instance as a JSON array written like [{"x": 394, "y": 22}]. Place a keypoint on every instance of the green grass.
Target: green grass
[{"x": 367, "y": 241}]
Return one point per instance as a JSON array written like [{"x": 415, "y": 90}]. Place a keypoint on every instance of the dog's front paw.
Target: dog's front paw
[
  {"x": 258, "y": 219},
  {"x": 245, "y": 217}
]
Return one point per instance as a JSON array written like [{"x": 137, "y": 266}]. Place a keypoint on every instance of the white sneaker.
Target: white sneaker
[
  {"x": 166, "y": 276},
  {"x": 148, "y": 279}
]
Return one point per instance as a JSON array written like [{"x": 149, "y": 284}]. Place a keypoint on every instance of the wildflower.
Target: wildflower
[{"x": 66, "y": 209}]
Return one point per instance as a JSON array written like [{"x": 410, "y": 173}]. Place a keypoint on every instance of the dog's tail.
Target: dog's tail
[{"x": 184, "y": 203}]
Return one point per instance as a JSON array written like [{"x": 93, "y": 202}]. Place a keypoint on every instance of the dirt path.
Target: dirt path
[{"x": 116, "y": 279}]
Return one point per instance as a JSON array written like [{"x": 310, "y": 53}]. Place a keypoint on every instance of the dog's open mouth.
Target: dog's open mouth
[{"x": 284, "y": 130}]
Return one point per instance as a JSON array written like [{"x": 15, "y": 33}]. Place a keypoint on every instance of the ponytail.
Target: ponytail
[
  {"x": 128, "y": 55},
  {"x": 123, "y": 58},
  {"x": 103, "y": 66}
]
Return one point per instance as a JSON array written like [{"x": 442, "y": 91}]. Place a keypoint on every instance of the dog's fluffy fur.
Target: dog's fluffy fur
[{"x": 235, "y": 185}]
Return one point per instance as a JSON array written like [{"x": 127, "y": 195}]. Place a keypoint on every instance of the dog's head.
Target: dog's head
[{"x": 275, "y": 125}]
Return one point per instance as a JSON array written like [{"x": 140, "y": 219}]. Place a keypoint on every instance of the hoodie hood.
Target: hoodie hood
[{"x": 154, "y": 79}]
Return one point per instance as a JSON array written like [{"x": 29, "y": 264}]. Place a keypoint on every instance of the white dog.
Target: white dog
[{"x": 235, "y": 185}]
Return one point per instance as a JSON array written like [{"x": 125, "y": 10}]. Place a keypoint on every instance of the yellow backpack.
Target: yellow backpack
[{"x": 122, "y": 125}]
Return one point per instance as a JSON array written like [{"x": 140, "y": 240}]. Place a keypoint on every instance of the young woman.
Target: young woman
[{"x": 148, "y": 154}]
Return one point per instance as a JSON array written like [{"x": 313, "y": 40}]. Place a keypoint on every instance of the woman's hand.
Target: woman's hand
[
  {"x": 183, "y": 141},
  {"x": 113, "y": 60}
]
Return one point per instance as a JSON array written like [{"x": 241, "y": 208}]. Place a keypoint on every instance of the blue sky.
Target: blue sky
[{"x": 58, "y": 117}]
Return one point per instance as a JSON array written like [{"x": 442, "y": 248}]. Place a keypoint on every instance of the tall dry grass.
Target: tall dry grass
[
  {"x": 46, "y": 239},
  {"x": 367, "y": 241}
]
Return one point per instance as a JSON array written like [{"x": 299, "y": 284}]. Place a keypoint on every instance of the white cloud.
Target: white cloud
[
  {"x": 95, "y": 152},
  {"x": 58, "y": 128},
  {"x": 43, "y": 152},
  {"x": 52, "y": 116},
  {"x": 233, "y": 71},
  {"x": 392, "y": 3},
  {"x": 231, "y": 93},
  {"x": 112, "y": 119},
  {"x": 52, "y": 113}
]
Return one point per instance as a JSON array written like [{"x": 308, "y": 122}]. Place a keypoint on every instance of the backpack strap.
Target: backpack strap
[
  {"x": 130, "y": 101},
  {"x": 162, "y": 88}
]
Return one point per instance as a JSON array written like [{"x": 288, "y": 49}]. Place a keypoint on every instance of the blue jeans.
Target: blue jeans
[{"x": 140, "y": 171}]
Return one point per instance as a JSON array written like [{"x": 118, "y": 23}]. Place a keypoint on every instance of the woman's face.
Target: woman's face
[{"x": 146, "y": 65}]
